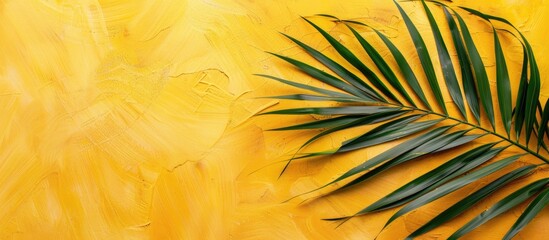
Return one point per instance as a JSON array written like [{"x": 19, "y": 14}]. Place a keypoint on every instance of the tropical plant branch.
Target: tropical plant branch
[{"x": 360, "y": 106}]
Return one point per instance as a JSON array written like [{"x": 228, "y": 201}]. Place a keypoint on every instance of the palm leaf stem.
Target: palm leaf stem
[{"x": 514, "y": 143}]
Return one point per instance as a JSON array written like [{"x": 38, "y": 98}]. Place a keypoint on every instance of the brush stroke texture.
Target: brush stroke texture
[{"x": 133, "y": 120}]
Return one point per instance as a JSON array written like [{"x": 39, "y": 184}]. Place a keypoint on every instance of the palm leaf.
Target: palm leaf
[
  {"x": 479, "y": 70},
  {"x": 502, "y": 206},
  {"x": 467, "y": 74},
  {"x": 424, "y": 58},
  {"x": 382, "y": 66},
  {"x": 521, "y": 97},
  {"x": 471, "y": 200},
  {"x": 338, "y": 69},
  {"x": 431, "y": 179},
  {"x": 404, "y": 66},
  {"x": 533, "y": 87},
  {"x": 430, "y": 146},
  {"x": 455, "y": 184},
  {"x": 529, "y": 213},
  {"x": 503, "y": 85},
  {"x": 351, "y": 58},
  {"x": 543, "y": 125},
  {"x": 421, "y": 130},
  {"x": 446, "y": 63}
]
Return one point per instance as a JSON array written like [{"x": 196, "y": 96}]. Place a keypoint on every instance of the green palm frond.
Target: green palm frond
[{"x": 423, "y": 128}]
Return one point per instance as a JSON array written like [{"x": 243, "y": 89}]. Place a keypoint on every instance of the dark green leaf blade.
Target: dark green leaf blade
[
  {"x": 466, "y": 72},
  {"x": 307, "y": 87},
  {"x": 503, "y": 85},
  {"x": 324, "y": 123},
  {"x": 424, "y": 57},
  {"x": 405, "y": 69},
  {"x": 502, "y": 206},
  {"x": 382, "y": 157},
  {"x": 370, "y": 119},
  {"x": 424, "y": 149},
  {"x": 453, "y": 186},
  {"x": 353, "y": 60},
  {"x": 521, "y": 95},
  {"x": 472, "y": 199},
  {"x": 533, "y": 88},
  {"x": 543, "y": 124},
  {"x": 432, "y": 178},
  {"x": 448, "y": 171},
  {"x": 428, "y": 147},
  {"x": 532, "y": 96},
  {"x": 338, "y": 69},
  {"x": 350, "y": 110},
  {"x": 392, "y": 153},
  {"x": 479, "y": 70},
  {"x": 460, "y": 141},
  {"x": 385, "y": 136},
  {"x": 382, "y": 66},
  {"x": 386, "y": 128},
  {"x": 310, "y": 97},
  {"x": 529, "y": 213},
  {"x": 324, "y": 77},
  {"x": 340, "y": 121},
  {"x": 446, "y": 63},
  {"x": 486, "y": 16},
  {"x": 403, "y": 64}
]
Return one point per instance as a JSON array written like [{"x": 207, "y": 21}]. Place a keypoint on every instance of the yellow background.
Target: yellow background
[{"x": 133, "y": 120}]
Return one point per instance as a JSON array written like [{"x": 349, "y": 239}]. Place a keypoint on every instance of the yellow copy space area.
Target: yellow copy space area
[{"x": 133, "y": 119}]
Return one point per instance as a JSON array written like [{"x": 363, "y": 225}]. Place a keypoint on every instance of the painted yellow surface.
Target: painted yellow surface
[{"x": 132, "y": 119}]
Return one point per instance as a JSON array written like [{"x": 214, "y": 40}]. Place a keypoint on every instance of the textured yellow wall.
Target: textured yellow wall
[{"x": 132, "y": 119}]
